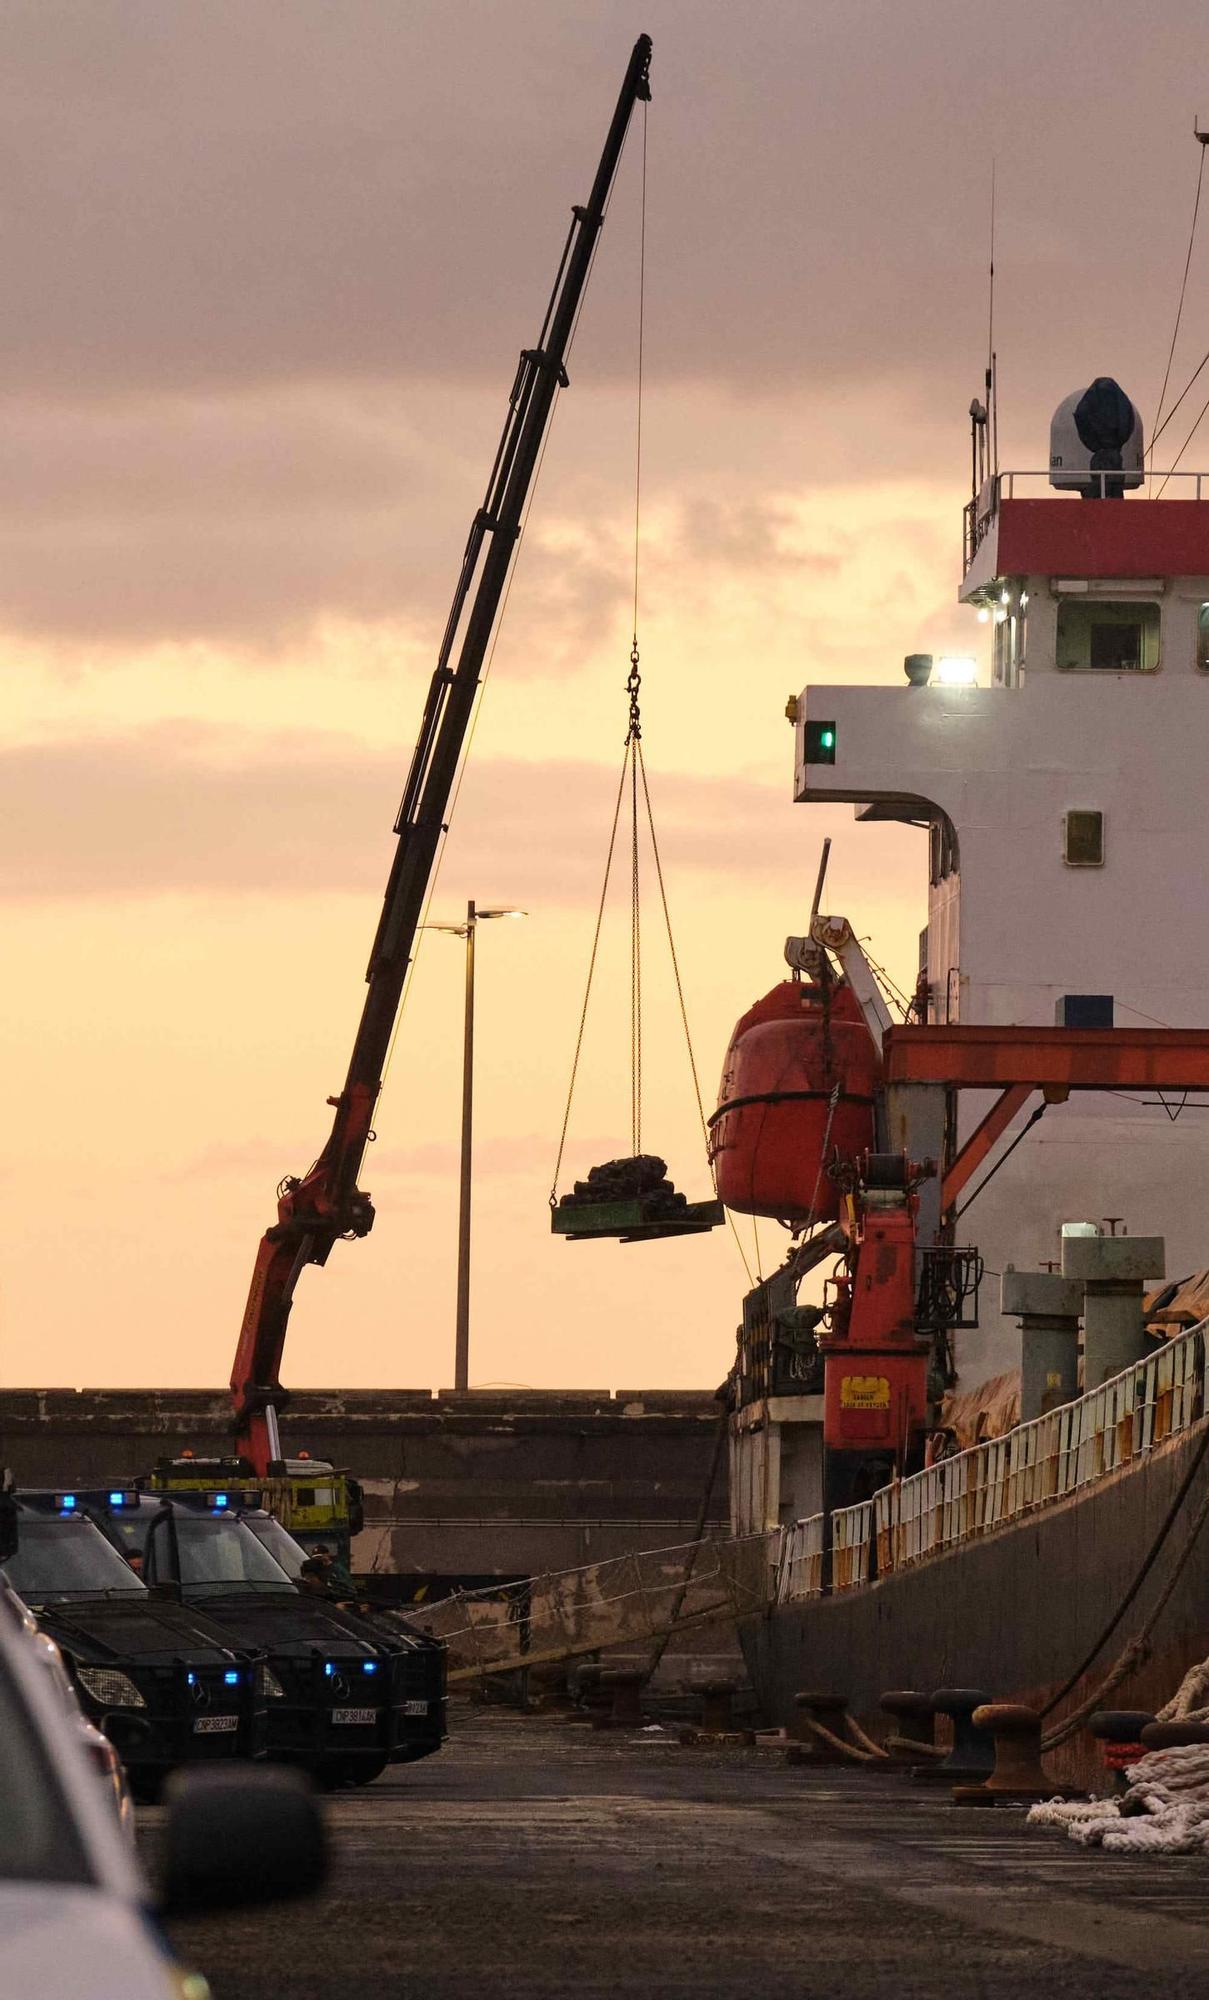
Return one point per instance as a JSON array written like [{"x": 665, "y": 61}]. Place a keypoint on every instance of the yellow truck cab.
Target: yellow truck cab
[{"x": 314, "y": 1502}]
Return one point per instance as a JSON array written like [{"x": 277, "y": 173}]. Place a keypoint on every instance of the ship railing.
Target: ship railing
[
  {"x": 1029, "y": 484},
  {"x": 800, "y": 1569},
  {"x": 851, "y": 1535},
  {"x": 1002, "y": 1479},
  {"x": 979, "y": 513}
]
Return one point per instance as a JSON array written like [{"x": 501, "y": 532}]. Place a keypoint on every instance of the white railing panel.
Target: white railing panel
[{"x": 1001, "y": 1480}]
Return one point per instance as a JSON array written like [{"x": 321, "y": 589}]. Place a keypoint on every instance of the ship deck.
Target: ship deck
[{"x": 534, "y": 1857}]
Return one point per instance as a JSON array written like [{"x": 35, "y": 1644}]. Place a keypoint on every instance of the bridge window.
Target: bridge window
[
  {"x": 1113, "y": 636},
  {"x": 1083, "y": 839}
]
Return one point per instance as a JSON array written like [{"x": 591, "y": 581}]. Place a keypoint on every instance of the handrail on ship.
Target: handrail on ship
[
  {"x": 997, "y": 1482},
  {"x": 978, "y": 513}
]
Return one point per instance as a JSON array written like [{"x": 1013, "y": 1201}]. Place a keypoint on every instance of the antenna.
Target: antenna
[
  {"x": 992, "y": 378},
  {"x": 822, "y": 876}
]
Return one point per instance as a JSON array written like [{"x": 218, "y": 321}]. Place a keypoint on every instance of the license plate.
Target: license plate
[
  {"x": 415, "y": 1708},
  {"x": 361, "y": 1715},
  {"x": 215, "y": 1725}
]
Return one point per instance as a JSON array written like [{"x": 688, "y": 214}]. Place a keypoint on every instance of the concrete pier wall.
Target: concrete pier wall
[{"x": 480, "y": 1484}]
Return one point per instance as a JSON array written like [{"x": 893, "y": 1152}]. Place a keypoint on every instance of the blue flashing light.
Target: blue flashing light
[
  {"x": 369, "y": 1666},
  {"x": 328, "y": 1668},
  {"x": 192, "y": 1679},
  {"x": 221, "y": 1500},
  {"x": 68, "y": 1503},
  {"x": 117, "y": 1499},
  {"x": 231, "y": 1677}
]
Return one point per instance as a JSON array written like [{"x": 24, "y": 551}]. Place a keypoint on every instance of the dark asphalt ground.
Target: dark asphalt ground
[{"x": 534, "y": 1857}]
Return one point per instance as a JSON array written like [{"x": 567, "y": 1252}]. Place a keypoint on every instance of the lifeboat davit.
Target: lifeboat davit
[{"x": 775, "y": 1131}]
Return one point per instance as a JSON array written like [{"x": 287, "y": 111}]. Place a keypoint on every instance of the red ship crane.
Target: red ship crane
[{"x": 316, "y": 1209}]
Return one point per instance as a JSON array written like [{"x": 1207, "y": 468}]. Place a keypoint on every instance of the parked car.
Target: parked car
[
  {"x": 342, "y": 1701},
  {"x": 74, "y": 1903},
  {"x": 424, "y": 1719},
  {"x": 163, "y": 1682},
  {"x": 100, "y": 1752}
]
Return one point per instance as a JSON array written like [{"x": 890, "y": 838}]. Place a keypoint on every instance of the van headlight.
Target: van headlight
[{"x": 109, "y": 1687}]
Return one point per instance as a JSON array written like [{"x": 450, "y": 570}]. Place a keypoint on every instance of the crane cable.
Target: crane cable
[{"x": 633, "y": 767}]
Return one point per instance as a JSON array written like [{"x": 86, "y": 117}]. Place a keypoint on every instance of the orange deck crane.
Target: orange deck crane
[{"x": 318, "y": 1208}]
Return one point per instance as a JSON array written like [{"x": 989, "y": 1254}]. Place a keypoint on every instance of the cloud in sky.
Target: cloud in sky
[
  {"x": 224, "y": 194},
  {"x": 268, "y": 271},
  {"x": 182, "y": 809}
]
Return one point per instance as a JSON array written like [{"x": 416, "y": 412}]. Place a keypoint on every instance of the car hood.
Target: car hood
[
  {"x": 275, "y": 1619},
  {"x": 134, "y": 1628},
  {"x": 65, "y": 1941}
]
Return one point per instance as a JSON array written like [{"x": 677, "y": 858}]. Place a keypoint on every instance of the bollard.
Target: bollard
[
  {"x": 717, "y": 1718},
  {"x": 590, "y": 1699},
  {"x": 1119, "y": 1730},
  {"x": 1018, "y": 1777},
  {"x": 806, "y": 1747},
  {"x": 913, "y": 1713},
  {"x": 972, "y": 1757},
  {"x": 624, "y": 1685},
  {"x": 1173, "y": 1735}
]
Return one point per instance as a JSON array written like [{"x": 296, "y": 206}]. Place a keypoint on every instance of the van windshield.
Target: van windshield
[
  {"x": 68, "y": 1557},
  {"x": 218, "y": 1555}
]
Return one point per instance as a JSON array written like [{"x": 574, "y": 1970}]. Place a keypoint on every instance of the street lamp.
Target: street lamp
[{"x": 474, "y": 917}]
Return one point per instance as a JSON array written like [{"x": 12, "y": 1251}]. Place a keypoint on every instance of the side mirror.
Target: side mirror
[{"x": 251, "y": 1834}]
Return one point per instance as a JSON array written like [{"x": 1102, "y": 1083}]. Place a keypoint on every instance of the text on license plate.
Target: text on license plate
[
  {"x": 415, "y": 1708},
  {"x": 214, "y": 1725},
  {"x": 354, "y": 1715}
]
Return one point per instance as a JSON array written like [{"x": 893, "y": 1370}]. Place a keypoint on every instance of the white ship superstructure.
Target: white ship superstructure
[{"x": 1069, "y": 850}]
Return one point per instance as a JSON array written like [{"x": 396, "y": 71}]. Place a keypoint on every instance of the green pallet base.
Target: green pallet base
[{"x": 632, "y": 1221}]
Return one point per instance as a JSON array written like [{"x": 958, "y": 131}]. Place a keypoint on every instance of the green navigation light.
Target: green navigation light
[{"x": 820, "y": 742}]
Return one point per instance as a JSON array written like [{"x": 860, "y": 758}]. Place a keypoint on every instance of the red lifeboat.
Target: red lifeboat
[{"x": 775, "y": 1132}]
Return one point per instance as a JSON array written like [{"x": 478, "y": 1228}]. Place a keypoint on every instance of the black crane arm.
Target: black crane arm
[{"x": 326, "y": 1203}]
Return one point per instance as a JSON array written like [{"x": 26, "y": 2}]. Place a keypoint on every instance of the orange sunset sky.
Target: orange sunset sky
[{"x": 267, "y": 273}]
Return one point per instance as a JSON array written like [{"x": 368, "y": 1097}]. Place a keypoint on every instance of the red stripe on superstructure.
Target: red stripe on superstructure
[{"x": 1103, "y": 538}]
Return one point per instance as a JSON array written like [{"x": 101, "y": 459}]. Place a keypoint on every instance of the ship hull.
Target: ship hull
[{"x": 1015, "y": 1611}]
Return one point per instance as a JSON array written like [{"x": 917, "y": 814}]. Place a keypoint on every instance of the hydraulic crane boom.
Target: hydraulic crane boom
[{"x": 326, "y": 1203}]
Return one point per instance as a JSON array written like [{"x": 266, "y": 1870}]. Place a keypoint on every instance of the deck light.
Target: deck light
[{"x": 956, "y": 671}]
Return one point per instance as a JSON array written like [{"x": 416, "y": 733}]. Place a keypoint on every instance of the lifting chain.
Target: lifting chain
[{"x": 632, "y": 686}]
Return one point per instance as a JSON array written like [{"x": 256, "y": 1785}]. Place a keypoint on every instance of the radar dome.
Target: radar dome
[{"x": 1096, "y": 431}]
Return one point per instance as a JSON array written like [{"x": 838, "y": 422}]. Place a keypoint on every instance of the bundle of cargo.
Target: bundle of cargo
[{"x": 633, "y": 1200}]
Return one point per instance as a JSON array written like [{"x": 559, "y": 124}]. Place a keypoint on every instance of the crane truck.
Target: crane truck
[{"x": 325, "y": 1205}]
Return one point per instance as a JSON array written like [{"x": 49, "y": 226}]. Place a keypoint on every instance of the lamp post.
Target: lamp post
[{"x": 474, "y": 917}]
